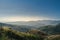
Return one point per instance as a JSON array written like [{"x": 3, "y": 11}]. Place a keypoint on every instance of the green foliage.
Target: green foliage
[{"x": 8, "y": 34}]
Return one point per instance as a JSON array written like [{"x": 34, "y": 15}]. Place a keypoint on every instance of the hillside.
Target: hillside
[
  {"x": 49, "y": 32},
  {"x": 9, "y": 34},
  {"x": 51, "y": 29},
  {"x": 25, "y": 32}
]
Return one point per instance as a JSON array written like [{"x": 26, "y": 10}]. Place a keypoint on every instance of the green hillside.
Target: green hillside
[
  {"x": 8, "y": 34},
  {"x": 49, "y": 32},
  {"x": 51, "y": 29}
]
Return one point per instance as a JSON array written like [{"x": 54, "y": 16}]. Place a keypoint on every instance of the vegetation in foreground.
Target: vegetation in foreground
[{"x": 7, "y": 33}]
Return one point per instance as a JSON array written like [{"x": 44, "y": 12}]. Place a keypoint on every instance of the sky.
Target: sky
[{"x": 29, "y": 10}]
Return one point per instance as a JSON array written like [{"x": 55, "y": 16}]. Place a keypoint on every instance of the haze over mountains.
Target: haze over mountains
[
  {"x": 29, "y": 25},
  {"x": 36, "y": 23}
]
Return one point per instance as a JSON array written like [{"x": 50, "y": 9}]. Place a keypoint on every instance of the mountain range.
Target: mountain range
[
  {"x": 26, "y": 26},
  {"x": 37, "y": 23}
]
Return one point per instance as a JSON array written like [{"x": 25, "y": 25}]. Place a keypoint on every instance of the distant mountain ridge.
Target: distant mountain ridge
[{"x": 36, "y": 23}]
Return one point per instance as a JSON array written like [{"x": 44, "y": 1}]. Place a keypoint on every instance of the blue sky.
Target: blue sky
[{"x": 44, "y": 9}]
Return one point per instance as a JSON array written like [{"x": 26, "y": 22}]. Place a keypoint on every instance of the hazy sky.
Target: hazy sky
[{"x": 26, "y": 10}]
